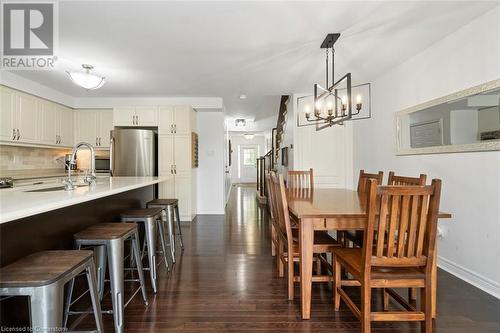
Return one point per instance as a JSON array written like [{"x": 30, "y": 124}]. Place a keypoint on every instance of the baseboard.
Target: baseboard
[
  {"x": 211, "y": 212},
  {"x": 477, "y": 280}
]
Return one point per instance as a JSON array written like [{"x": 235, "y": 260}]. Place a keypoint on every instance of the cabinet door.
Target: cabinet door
[
  {"x": 165, "y": 119},
  {"x": 66, "y": 123},
  {"x": 183, "y": 194},
  {"x": 124, "y": 116},
  {"x": 27, "y": 120},
  {"x": 105, "y": 127},
  {"x": 147, "y": 115},
  {"x": 182, "y": 155},
  {"x": 48, "y": 125},
  {"x": 182, "y": 117},
  {"x": 86, "y": 126},
  {"x": 167, "y": 188},
  {"x": 7, "y": 114},
  {"x": 165, "y": 154}
]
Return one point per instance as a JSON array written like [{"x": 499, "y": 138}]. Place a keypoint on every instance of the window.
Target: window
[{"x": 249, "y": 156}]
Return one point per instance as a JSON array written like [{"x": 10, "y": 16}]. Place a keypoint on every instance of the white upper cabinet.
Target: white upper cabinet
[
  {"x": 105, "y": 127},
  {"x": 166, "y": 120},
  {"x": 7, "y": 114},
  {"x": 166, "y": 154},
  {"x": 48, "y": 123},
  {"x": 135, "y": 116},
  {"x": 182, "y": 116},
  {"x": 65, "y": 122},
  {"x": 27, "y": 118},
  {"x": 94, "y": 126}
]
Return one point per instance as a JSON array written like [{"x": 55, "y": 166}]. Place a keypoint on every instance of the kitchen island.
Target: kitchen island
[{"x": 44, "y": 217}]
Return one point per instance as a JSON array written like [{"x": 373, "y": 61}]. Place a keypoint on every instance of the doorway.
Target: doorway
[{"x": 247, "y": 163}]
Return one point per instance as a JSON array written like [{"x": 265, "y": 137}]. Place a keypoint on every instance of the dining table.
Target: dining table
[{"x": 330, "y": 209}]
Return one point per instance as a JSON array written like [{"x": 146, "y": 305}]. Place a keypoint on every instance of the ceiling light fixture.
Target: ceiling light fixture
[
  {"x": 240, "y": 122},
  {"x": 86, "y": 79},
  {"x": 334, "y": 104},
  {"x": 248, "y": 136},
  {"x": 243, "y": 96}
]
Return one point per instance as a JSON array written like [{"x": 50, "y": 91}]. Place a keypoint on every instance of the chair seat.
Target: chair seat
[
  {"x": 102, "y": 231},
  {"x": 42, "y": 268},
  {"x": 162, "y": 202},
  {"x": 138, "y": 213},
  {"x": 352, "y": 258}
]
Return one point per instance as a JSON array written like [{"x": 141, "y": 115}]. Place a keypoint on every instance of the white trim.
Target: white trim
[{"x": 477, "y": 280}]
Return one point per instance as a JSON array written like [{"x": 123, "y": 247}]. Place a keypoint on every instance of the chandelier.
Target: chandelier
[{"x": 333, "y": 104}]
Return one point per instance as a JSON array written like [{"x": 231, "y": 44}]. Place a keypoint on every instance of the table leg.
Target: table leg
[{"x": 306, "y": 239}]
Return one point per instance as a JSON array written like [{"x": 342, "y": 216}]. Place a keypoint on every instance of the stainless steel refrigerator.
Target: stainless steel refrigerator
[{"x": 133, "y": 152}]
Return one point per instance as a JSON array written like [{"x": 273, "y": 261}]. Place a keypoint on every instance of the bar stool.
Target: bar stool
[
  {"x": 169, "y": 206},
  {"x": 42, "y": 277},
  {"x": 151, "y": 218},
  {"x": 113, "y": 237}
]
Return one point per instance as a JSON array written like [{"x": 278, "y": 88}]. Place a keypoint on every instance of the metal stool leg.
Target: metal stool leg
[
  {"x": 115, "y": 259},
  {"x": 161, "y": 231},
  {"x": 46, "y": 307},
  {"x": 140, "y": 272},
  {"x": 171, "y": 235},
  {"x": 101, "y": 263},
  {"x": 150, "y": 238},
  {"x": 94, "y": 295},
  {"x": 178, "y": 218}
]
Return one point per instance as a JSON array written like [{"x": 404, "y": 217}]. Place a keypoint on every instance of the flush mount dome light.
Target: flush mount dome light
[
  {"x": 248, "y": 136},
  {"x": 240, "y": 122},
  {"x": 86, "y": 79}
]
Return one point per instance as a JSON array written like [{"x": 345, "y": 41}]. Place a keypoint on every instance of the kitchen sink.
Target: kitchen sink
[{"x": 52, "y": 189}]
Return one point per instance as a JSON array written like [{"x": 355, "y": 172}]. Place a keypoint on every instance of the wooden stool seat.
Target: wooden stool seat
[
  {"x": 142, "y": 213},
  {"x": 162, "y": 202},
  {"x": 106, "y": 231},
  {"x": 42, "y": 268}
]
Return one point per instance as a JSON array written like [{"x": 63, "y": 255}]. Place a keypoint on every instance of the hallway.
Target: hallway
[{"x": 225, "y": 282}]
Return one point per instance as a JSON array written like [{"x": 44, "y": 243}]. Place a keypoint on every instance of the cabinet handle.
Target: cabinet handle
[
  {"x": 175, "y": 128},
  {"x": 175, "y": 169},
  {"x": 57, "y": 139},
  {"x": 100, "y": 141},
  {"x": 171, "y": 169},
  {"x": 171, "y": 128},
  {"x": 13, "y": 134},
  {"x": 137, "y": 120},
  {"x": 18, "y": 134}
]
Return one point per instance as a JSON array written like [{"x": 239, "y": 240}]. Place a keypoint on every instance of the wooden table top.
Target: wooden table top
[{"x": 329, "y": 203}]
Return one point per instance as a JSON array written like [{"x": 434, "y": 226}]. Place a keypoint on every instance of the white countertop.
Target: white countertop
[{"x": 16, "y": 203}]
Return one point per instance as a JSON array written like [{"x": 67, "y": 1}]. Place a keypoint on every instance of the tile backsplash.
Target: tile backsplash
[{"x": 28, "y": 161}]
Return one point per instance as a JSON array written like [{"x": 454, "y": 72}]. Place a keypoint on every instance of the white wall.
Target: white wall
[
  {"x": 210, "y": 195},
  {"x": 470, "y": 247}
]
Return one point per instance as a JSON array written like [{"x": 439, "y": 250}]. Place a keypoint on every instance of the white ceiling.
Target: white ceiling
[{"x": 263, "y": 49}]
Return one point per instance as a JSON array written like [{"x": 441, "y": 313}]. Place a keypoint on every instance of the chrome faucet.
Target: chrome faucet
[{"x": 89, "y": 178}]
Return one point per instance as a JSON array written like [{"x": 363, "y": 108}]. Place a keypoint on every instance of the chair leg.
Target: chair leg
[
  {"x": 279, "y": 262},
  {"x": 140, "y": 271},
  {"x": 365, "y": 307},
  {"x": 385, "y": 297},
  {"x": 46, "y": 308},
  {"x": 426, "y": 304},
  {"x": 94, "y": 295},
  {"x": 161, "y": 231},
  {"x": 290, "y": 275},
  {"x": 318, "y": 265},
  {"x": 171, "y": 235},
  {"x": 115, "y": 262},
  {"x": 178, "y": 219},
  {"x": 337, "y": 270},
  {"x": 273, "y": 239},
  {"x": 150, "y": 239},
  {"x": 412, "y": 294}
]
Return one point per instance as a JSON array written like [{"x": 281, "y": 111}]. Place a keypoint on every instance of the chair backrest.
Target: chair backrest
[
  {"x": 282, "y": 214},
  {"x": 270, "y": 196},
  {"x": 402, "y": 224},
  {"x": 365, "y": 177},
  {"x": 300, "y": 179},
  {"x": 403, "y": 180}
]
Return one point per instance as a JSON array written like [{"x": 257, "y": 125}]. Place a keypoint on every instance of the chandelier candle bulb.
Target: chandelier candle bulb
[{"x": 330, "y": 108}]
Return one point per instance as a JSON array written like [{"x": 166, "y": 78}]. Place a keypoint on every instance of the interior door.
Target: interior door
[
  {"x": 7, "y": 114},
  {"x": 247, "y": 163}
]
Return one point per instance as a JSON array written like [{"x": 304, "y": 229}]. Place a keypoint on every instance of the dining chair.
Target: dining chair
[
  {"x": 288, "y": 249},
  {"x": 404, "y": 180},
  {"x": 300, "y": 179},
  {"x": 272, "y": 214},
  {"x": 356, "y": 237},
  {"x": 398, "y": 252}
]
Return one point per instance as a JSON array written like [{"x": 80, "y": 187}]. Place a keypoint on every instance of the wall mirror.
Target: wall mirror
[{"x": 465, "y": 121}]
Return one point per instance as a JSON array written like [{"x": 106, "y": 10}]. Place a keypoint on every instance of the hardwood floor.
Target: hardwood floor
[{"x": 225, "y": 282}]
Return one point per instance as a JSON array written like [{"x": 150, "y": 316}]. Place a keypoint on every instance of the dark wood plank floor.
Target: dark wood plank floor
[{"x": 225, "y": 282}]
